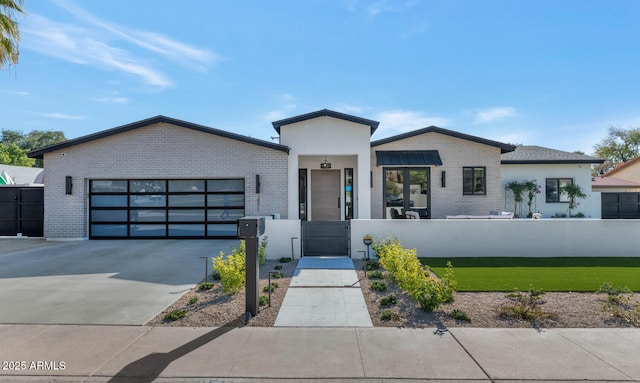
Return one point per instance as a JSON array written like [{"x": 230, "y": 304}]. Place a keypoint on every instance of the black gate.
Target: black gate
[
  {"x": 620, "y": 205},
  {"x": 325, "y": 238},
  {"x": 22, "y": 211}
]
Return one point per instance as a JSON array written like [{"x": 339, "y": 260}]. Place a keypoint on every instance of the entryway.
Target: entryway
[{"x": 22, "y": 211}]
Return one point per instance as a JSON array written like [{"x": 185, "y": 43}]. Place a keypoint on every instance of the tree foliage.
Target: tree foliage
[
  {"x": 14, "y": 145},
  {"x": 9, "y": 31},
  {"x": 619, "y": 146}
]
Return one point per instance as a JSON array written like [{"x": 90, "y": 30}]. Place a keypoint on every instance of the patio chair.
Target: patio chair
[{"x": 395, "y": 214}]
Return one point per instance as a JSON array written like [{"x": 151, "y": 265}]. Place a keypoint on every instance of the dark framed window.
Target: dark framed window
[
  {"x": 348, "y": 193},
  {"x": 406, "y": 189},
  {"x": 474, "y": 180},
  {"x": 165, "y": 208},
  {"x": 554, "y": 190}
]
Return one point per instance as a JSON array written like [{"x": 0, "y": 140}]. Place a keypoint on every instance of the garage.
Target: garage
[
  {"x": 621, "y": 205},
  {"x": 165, "y": 208}
]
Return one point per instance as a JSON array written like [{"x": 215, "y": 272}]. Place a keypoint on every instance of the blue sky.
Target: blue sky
[{"x": 549, "y": 73}]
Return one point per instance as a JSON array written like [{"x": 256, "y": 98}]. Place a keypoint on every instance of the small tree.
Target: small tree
[
  {"x": 574, "y": 192},
  {"x": 523, "y": 189}
]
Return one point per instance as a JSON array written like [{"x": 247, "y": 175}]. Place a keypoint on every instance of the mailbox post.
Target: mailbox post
[{"x": 250, "y": 229}]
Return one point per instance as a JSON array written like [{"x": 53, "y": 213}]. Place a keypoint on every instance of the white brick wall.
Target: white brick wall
[
  {"x": 158, "y": 151},
  {"x": 455, "y": 153}
]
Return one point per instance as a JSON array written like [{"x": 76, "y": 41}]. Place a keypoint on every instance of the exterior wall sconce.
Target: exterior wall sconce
[
  {"x": 257, "y": 183},
  {"x": 443, "y": 178},
  {"x": 68, "y": 185}
]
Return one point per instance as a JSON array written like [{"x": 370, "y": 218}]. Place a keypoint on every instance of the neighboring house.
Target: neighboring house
[
  {"x": 167, "y": 178},
  {"x": 620, "y": 190},
  {"x": 551, "y": 169},
  {"x": 21, "y": 175}
]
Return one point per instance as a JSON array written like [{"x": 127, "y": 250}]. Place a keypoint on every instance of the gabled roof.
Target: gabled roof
[
  {"x": 150, "y": 121},
  {"x": 622, "y": 166},
  {"x": 504, "y": 148},
  {"x": 541, "y": 155},
  {"x": 325, "y": 113}
]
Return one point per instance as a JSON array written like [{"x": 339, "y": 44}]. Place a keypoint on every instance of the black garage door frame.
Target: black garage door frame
[{"x": 165, "y": 208}]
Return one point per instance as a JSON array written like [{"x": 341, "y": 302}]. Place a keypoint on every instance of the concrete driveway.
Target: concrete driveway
[{"x": 98, "y": 281}]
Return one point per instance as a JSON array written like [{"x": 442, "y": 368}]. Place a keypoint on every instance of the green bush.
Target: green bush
[
  {"x": 278, "y": 267},
  {"x": 270, "y": 287},
  {"x": 460, "y": 315},
  {"x": 378, "y": 286},
  {"x": 231, "y": 269},
  {"x": 376, "y": 274},
  {"x": 388, "y": 300},
  {"x": 405, "y": 269},
  {"x": 205, "y": 286},
  {"x": 277, "y": 275},
  {"x": 174, "y": 315},
  {"x": 525, "y": 306},
  {"x": 262, "y": 250},
  {"x": 372, "y": 265},
  {"x": 263, "y": 300},
  {"x": 193, "y": 300},
  {"x": 386, "y": 315},
  {"x": 285, "y": 260}
]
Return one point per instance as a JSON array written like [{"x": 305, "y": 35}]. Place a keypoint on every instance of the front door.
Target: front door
[{"x": 325, "y": 195}]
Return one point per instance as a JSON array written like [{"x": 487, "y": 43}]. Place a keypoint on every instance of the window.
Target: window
[
  {"x": 554, "y": 187},
  {"x": 474, "y": 180},
  {"x": 406, "y": 189}
]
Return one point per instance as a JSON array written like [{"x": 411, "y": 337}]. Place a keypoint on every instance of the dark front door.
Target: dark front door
[{"x": 21, "y": 211}]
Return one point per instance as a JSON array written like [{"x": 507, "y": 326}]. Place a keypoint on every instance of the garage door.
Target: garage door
[
  {"x": 166, "y": 208},
  {"x": 621, "y": 205}
]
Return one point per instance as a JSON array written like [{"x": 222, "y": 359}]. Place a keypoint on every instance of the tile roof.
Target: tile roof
[
  {"x": 531, "y": 154},
  {"x": 603, "y": 182},
  {"x": 622, "y": 166}
]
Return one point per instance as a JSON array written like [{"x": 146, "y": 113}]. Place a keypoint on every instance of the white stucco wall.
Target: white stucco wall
[
  {"x": 284, "y": 238},
  {"x": 313, "y": 139},
  {"x": 580, "y": 173},
  {"x": 505, "y": 238}
]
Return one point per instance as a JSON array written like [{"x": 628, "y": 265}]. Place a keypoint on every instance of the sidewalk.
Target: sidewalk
[{"x": 168, "y": 354}]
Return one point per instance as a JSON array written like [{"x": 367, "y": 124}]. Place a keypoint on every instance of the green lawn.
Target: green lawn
[{"x": 550, "y": 274}]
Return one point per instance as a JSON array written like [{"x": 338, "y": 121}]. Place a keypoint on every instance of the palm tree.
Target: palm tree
[{"x": 9, "y": 32}]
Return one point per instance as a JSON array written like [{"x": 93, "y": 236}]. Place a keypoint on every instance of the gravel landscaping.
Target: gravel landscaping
[{"x": 565, "y": 310}]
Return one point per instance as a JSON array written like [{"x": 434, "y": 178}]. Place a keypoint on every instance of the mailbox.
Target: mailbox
[{"x": 250, "y": 227}]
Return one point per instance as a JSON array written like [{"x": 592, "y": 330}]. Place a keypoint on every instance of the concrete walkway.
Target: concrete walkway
[
  {"x": 324, "y": 292},
  {"x": 173, "y": 354}
]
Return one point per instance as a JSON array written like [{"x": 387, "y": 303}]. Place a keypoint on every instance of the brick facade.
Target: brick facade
[
  {"x": 158, "y": 151},
  {"x": 455, "y": 153}
]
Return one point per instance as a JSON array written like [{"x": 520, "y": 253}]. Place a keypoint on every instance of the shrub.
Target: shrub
[
  {"x": 278, "y": 267},
  {"x": 263, "y": 300},
  {"x": 174, "y": 315},
  {"x": 378, "y": 286},
  {"x": 526, "y": 306},
  {"x": 388, "y": 300},
  {"x": 193, "y": 300},
  {"x": 372, "y": 265},
  {"x": 270, "y": 288},
  {"x": 618, "y": 303},
  {"x": 277, "y": 275},
  {"x": 387, "y": 315},
  {"x": 231, "y": 269},
  {"x": 376, "y": 274},
  {"x": 405, "y": 269},
  {"x": 262, "y": 250},
  {"x": 205, "y": 286},
  {"x": 460, "y": 315},
  {"x": 285, "y": 260}
]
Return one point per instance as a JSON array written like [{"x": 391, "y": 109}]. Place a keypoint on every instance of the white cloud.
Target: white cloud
[
  {"x": 402, "y": 121},
  {"x": 98, "y": 43},
  {"x": 115, "y": 100},
  {"x": 287, "y": 106},
  {"x": 493, "y": 114},
  {"x": 62, "y": 116}
]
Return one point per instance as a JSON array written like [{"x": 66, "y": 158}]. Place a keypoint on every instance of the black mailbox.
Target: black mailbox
[{"x": 250, "y": 227}]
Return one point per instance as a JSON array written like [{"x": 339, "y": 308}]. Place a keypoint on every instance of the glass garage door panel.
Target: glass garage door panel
[{"x": 156, "y": 208}]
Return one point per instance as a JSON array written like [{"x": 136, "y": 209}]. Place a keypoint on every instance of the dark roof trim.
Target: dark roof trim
[
  {"x": 150, "y": 121},
  {"x": 550, "y": 162},
  {"x": 504, "y": 148},
  {"x": 325, "y": 113},
  {"x": 408, "y": 157}
]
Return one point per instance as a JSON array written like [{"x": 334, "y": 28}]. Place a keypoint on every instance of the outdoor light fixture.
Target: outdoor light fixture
[
  {"x": 325, "y": 164},
  {"x": 443, "y": 178},
  {"x": 257, "y": 183},
  {"x": 67, "y": 184}
]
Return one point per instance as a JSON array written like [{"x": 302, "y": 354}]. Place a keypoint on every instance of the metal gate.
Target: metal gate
[
  {"x": 325, "y": 238},
  {"x": 620, "y": 205},
  {"x": 22, "y": 211}
]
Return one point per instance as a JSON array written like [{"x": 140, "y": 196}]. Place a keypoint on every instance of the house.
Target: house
[
  {"x": 550, "y": 169},
  {"x": 167, "y": 178},
  {"x": 620, "y": 190}
]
